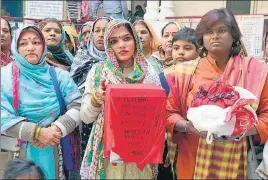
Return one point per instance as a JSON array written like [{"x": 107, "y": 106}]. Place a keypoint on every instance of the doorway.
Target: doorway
[{"x": 239, "y": 7}]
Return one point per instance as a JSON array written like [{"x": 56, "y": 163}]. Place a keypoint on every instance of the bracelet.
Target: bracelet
[
  {"x": 37, "y": 132},
  {"x": 94, "y": 101}
]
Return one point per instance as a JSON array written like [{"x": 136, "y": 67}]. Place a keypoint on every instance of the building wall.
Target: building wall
[
  {"x": 196, "y": 8},
  {"x": 259, "y": 7}
]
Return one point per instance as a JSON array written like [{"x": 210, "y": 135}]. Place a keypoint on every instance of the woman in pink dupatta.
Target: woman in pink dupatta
[
  {"x": 5, "y": 42},
  {"x": 219, "y": 35}
]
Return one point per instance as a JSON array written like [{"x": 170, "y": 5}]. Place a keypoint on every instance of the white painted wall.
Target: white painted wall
[{"x": 196, "y": 8}]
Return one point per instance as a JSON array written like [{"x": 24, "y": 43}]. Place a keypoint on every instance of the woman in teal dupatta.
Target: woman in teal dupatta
[
  {"x": 29, "y": 105},
  {"x": 55, "y": 37}
]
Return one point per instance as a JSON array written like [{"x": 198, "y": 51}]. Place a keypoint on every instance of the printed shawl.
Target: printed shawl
[{"x": 5, "y": 60}]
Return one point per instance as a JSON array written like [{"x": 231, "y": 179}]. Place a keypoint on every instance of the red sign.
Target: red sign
[{"x": 134, "y": 123}]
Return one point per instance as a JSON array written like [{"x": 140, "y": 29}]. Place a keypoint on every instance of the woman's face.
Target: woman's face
[
  {"x": 122, "y": 43},
  {"x": 30, "y": 46},
  {"x": 5, "y": 35},
  {"x": 98, "y": 34},
  {"x": 144, "y": 35},
  {"x": 168, "y": 34},
  {"x": 218, "y": 39},
  {"x": 85, "y": 33},
  {"x": 52, "y": 34}
]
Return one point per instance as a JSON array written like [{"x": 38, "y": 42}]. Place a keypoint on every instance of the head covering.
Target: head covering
[
  {"x": 68, "y": 34},
  {"x": 140, "y": 65},
  {"x": 80, "y": 38},
  {"x": 156, "y": 42},
  {"x": 85, "y": 59},
  {"x": 58, "y": 55},
  {"x": 32, "y": 71},
  {"x": 71, "y": 30},
  {"x": 37, "y": 98}
]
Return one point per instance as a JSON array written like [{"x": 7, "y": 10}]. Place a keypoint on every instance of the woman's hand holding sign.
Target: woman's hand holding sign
[{"x": 98, "y": 97}]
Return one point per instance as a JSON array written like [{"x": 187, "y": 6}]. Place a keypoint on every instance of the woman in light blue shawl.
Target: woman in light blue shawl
[{"x": 30, "y": 108}]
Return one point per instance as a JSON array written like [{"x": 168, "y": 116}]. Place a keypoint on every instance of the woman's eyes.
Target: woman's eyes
[
  {"x": 113, "y": 41},
  {"x": 209, "y": 32},
  {"x": 22, "y": 44},
  {"x": 56, "y": 30},
  {"x": 26, "y": 43},
  {"x": 36, "y": 42},
  {"x": 47, "y": 30},
  {"x": 144, "y": 32},
  {"x": 127, "y": 38},
  {"x": 219, "y": 31},
  {"x": 166, "y": 36},
  {"x": 222, "y": 30},
  {"x": 5, "y": 31}
]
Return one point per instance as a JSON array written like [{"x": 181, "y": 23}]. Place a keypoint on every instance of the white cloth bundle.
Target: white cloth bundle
[{"x": 217, "y": 120}]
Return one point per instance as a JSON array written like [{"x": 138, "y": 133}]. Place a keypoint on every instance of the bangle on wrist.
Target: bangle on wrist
[
  {"x": 94, "y": 101},
  {"x": 37, "y": 132}
]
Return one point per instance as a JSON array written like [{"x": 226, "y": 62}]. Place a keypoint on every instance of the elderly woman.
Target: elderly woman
[
  {"x": 125, "y": 64},
  {"x": 219, "y": 35},
  {"x": 6, "y": 36},
  {"x": 165, "y": 50},
  {"x": 82, "y": 64},
  {"x": 55, "y": 38},
  {"x": 150, "y": 44},
  {"x": 84, "y": 33},
  {"x": 83, "y": 38},
  {"x": 30, "y": 98}
]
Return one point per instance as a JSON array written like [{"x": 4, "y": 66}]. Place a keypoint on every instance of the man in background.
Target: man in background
[
  {"x": 139, "y": 12},
  {"x": 114, "y": 9}
]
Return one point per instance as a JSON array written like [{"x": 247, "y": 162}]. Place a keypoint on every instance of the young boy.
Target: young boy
[{"x": 184, "y": 46}]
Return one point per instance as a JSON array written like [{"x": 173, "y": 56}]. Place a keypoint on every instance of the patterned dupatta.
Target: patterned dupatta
[
  {"x": 92, "y": 166},
  {"x": 5, "y": 60},
  {"x": 140, "y": 65}
]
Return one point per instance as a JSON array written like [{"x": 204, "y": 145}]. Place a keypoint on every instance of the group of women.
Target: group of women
[{"x": 46, "y": 107}]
